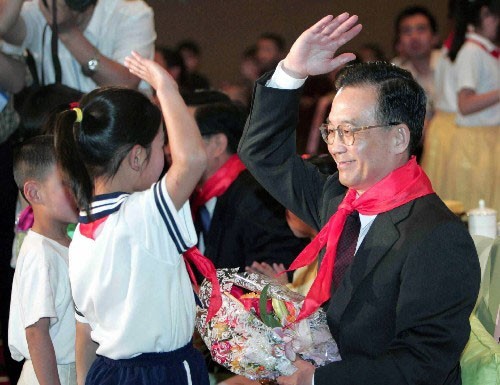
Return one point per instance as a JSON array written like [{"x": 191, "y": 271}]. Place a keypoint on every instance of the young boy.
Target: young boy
[{"x": 42, "y": 321}]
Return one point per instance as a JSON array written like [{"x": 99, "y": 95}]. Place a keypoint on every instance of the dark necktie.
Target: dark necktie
[
  {"x": 205, "y": 219},
  {"x": 346, "y": 247}
]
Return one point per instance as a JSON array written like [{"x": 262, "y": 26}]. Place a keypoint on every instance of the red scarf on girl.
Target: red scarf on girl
[
  {"x": 401, "y": 186},
  {"x": 218, "y": 183},
  {"x": 495, "y": 53}
]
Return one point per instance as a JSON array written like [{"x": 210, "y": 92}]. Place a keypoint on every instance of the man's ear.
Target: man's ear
[
  {"x": 401, "y": 138},
  {"x": 32, "y": 192},
  {"x": 136, "y": 157},
  {"x": 220, "y": 141}
]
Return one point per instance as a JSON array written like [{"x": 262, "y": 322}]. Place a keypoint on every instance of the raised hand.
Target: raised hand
[
  {"x": 149, "y": 71},
  {"x": 313, "y": 53}
]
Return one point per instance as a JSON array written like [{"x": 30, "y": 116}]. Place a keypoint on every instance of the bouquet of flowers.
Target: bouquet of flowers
[{"x": 254, "y": 333}]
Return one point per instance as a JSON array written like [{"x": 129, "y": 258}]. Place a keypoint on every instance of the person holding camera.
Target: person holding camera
[{"x": 93, "y": 39}]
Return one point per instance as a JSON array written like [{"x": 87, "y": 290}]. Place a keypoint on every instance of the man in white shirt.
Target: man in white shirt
[
  {"x": 416, "y": 31},
  {"x": 95, "y": 36}
]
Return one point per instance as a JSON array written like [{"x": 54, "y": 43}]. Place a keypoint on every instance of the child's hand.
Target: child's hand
[
  {"x": 270, "y": 271},
  {"x": 150, "y": 71}
]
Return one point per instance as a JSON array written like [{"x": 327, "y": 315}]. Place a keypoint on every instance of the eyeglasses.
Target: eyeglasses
[{"x": 345, "y": 132}]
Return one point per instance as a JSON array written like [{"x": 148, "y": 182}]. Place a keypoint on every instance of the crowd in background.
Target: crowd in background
[{"x": 44, "y": 70}]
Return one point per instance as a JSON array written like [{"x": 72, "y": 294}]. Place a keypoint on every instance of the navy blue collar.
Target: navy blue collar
[{"x": 102, "y": 206}]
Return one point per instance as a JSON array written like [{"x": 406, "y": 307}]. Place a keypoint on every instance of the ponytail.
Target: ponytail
[
  {"x": 462, "y": 17},
  {"x": 66, "y": 136}
]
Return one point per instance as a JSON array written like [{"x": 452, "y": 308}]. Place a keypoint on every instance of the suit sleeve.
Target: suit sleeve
[
  {"x": 267, "y": 237},
  {"x": 268, "y": 149},
  {"x": 439, "y": 286}
]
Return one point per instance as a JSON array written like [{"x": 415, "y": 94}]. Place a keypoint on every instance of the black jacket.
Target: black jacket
[
  {"x": 401, "y": 312},
  {"x": 249, "y": 225}
]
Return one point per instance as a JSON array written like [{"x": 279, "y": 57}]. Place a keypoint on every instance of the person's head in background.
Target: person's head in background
[
  {"x": 172, "y": 61},
  {"x": 326, "y": 165},
  {"x": 479, "y": 16},
  {"x": 270, "y": 50},
  {"x": 40, "y": 107},
  {"x": 194, "y": 100},
  {"x": 115, "y": 139},
  {"x": 221, "y": 126},
  {"x": 416, "y": 33},
  {"x": 41, "y": 183},
  {"x": 191, "y": 55},
  {"x": 198, "y": 98},
  {"x": 370, "y": 52},
  {"x": 249, "y": 67}
]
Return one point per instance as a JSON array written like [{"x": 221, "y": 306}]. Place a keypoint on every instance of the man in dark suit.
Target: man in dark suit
[
  {"x": 241, "y": 223},
  {"x": 399, "y": 304}
]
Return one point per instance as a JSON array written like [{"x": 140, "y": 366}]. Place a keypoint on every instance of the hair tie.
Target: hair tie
[{"x": 79, "y": 114}]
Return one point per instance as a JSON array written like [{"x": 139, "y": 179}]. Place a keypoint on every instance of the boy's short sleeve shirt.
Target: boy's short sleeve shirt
[
  {"x": 128, "y": 275},
  {"x": 41, "y": 289}
]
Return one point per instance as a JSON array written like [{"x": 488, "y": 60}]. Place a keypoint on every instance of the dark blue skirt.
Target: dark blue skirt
[{"x": 184, "y": 366}]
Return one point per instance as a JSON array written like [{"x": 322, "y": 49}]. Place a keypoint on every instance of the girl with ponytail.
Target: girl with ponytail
[
  {"x": 473, "y": 160},
  {"x": 134, "y": 302}
]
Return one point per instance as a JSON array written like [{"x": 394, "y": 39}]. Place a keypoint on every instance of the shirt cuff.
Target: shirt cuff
[{"x": 282, "y": 80}]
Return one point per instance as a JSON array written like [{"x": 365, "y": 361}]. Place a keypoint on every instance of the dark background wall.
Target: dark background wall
[{"x": 224, "y": 28}]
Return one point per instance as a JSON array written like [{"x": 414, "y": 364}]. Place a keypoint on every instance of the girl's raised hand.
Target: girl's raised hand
[{"x": 150, "y": 71}]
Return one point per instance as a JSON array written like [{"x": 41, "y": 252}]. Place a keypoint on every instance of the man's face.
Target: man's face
[
  {"x": 415, "y": 37},
  {"x": 370, "y": 158},
  {"x": 267, "y": 52}
]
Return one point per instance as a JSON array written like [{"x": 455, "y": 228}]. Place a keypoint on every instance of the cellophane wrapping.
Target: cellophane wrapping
[{"x": 240, "y": 341}]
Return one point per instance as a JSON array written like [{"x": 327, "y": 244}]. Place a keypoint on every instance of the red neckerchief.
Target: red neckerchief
[
  {"x": 401, "y": 186},
  {"x": 449, "y": 40},
  {"x": 495, "y": 53},
  {"x": 218, "y": 183},
  {"x": 192, "y": 255}
]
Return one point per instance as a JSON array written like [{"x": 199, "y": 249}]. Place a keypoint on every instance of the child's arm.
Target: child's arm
[
  {"x": 470, "y": 102},
  {"x": 188, "y": 152},
  {"x": 85, "y": 351},
  {"x": 42, "y": 352},
  {"x": 12, "y": 73}
]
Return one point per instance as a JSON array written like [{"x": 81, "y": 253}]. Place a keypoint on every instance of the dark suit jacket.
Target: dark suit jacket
[
  {"x": 249, "y": 225},
  {"x": 401, "y": 312}
]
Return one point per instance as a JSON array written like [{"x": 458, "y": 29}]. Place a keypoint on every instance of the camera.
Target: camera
[{"x": 76, "y": 5}]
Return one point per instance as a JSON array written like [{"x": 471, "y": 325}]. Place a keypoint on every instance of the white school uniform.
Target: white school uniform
[
  {"x": 41, "y": 289},
  {"x": 128, "y": 277},
  {"x": 445, "y": 91},
  {"x": 478, "y": 70}
]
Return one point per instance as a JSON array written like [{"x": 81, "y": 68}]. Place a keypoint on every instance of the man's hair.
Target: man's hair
[
  {"x": 412, "y": 11},
  {"x": 226, "y": 118},
  {"x": 189, "y": 45},
  {"x": 278, "y": 40},
  {"x": 33, "y": 159},
  {"x": 400, "y": 97},
  {"x": 201, "y": 97}
]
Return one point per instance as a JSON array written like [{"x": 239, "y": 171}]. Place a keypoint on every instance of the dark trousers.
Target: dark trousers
[{"x": 173, "y": 368}]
